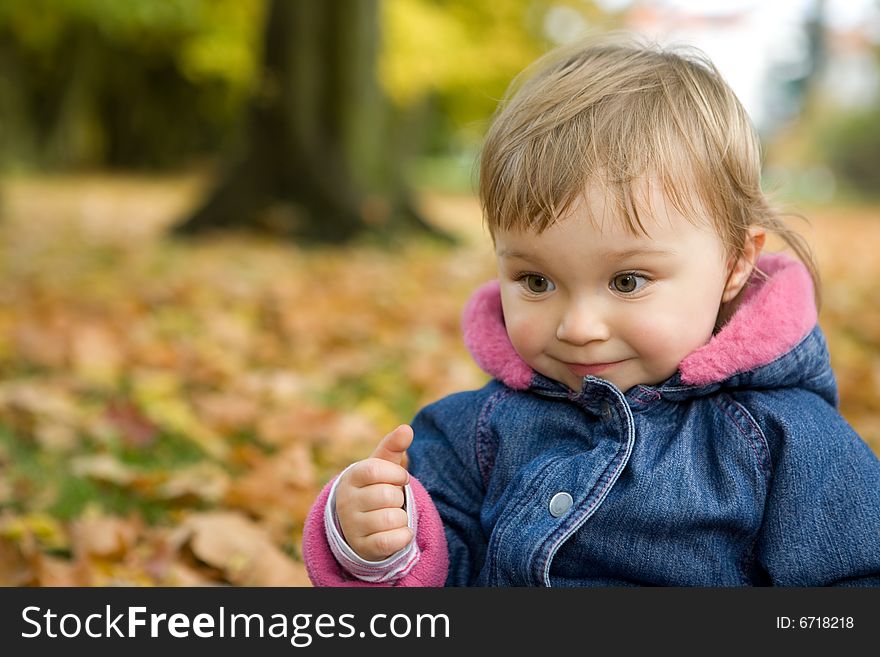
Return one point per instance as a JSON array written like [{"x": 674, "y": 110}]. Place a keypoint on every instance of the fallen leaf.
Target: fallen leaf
[
  {"x": 103, "y": 467},
  {"x": 97, "y": 535},
  {"x": 15, "y": 568},
  {"x": 296, "y": 424},
  {"x": 278, "y": 488},
  {"x": 203, "y": 481},
  {"x": 96, "y": 353},
  {"x": 43, "y": 340},
  {"x": 34, "y": 529},
  {"x": 242, "y": 550},
  {"x": 52, "y": 571},
  {"x": 135, "y": 428},
  {"x": 226, "y": 412},
  {"x": 55, "y": 437}
]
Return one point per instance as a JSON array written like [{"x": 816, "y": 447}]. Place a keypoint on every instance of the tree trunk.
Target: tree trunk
[{"x": 315, "y": 163}]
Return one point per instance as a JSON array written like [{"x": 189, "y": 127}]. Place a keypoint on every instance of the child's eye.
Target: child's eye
[
  {"x": 536, "y": 284},
  {"x": 628, "y": 282}
]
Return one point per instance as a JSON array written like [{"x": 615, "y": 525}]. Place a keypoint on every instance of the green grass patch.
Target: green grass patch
[{"x": 42, "y": 480}]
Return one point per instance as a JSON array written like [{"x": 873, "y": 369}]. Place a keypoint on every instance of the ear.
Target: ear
[{"x": 745, "y": 264}]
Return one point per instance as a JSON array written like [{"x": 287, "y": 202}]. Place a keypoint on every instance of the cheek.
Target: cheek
[
  {"x": 527, "y": 328},
  {"x": 668, "y": 338},
  {"x": 524, "y": 333}
]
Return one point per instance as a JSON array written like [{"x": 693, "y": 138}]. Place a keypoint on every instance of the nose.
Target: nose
[{"x": 583, "y": 322}]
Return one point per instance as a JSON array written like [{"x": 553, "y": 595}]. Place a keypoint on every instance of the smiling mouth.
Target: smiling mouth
[{"x": 581, "y": 369}]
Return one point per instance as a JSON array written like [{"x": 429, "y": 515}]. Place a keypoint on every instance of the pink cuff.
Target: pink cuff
[{"x": 431, "y": 569}]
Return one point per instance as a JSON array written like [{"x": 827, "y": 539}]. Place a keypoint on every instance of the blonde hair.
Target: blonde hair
[{"x": 614, "y": 111}]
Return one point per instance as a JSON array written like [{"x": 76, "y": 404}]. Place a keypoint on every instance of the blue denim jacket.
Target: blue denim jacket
[{"x": 755, "y": 479}]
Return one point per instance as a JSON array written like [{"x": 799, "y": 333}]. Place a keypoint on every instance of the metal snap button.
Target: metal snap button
[{"x": 560, "y": 504}]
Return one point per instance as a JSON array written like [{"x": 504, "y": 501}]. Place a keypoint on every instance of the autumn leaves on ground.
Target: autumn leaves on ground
[{"x": 169, "y": 410}]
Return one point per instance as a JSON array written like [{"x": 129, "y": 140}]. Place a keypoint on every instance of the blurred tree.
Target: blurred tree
[
  {"x": 161, "y": 85},
  {"x": 135, "y": 84},
  {"x": 320, "y": 160}
]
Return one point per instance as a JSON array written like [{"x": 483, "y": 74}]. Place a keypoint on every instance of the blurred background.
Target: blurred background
[{"x": 236, "y": 237}]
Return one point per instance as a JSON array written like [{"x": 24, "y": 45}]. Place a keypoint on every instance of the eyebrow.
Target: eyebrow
[
  {"x": 639, "y": 251},
  {"x": 608, "y": 255},
  {"x": 508, "y": 253}
]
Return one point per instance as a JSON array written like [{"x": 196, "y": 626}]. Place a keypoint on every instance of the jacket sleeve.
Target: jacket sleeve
[
  {"x": 821, "y": 524},
  {"x": 443, "y": 456},
  {"x": 325, "y": 570}
]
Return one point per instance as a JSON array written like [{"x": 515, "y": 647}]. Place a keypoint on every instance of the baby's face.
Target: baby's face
[{"x": 588, "y": 297}]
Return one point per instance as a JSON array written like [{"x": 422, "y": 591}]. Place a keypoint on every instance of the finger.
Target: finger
[
  {"x": 380, "y": 520},
  {"x": 393, "y": 446},
  {"x": 377, "y": 471},
  {"x": 383, "y": 544},
  {"x": 380, "y": 496}
]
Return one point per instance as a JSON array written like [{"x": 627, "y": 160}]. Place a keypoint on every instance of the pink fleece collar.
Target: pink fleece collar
[{"x": 776, "y": 313}]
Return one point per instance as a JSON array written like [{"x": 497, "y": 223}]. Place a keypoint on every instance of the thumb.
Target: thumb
[{"x": 393, "y": 446}]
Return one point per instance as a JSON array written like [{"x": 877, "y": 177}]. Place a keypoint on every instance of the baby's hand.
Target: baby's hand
[{"x": 369, "y": 499}]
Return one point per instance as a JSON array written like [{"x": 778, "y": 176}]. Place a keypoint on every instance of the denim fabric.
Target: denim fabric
[{"x": 756, "y": 480}]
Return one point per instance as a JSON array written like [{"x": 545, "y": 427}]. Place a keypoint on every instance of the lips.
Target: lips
[{"x": 587, "y": 369}]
